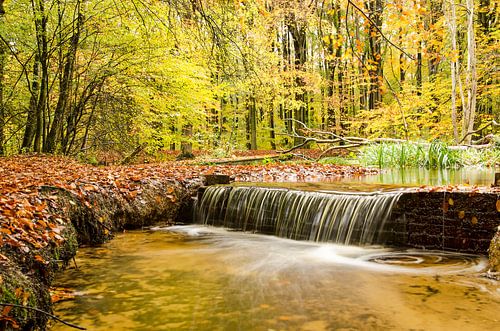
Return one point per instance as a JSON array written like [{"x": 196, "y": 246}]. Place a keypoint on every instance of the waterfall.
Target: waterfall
[{"x": 343, "y": 218}]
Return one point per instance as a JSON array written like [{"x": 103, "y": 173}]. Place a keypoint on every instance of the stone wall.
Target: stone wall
[{"x": 458, "y": 221}]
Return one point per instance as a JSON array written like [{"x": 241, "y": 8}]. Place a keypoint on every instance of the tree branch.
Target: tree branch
[{"x": 493, "y": 123}]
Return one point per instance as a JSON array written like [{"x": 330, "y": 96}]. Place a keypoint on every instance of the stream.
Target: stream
[{"x": 206, "y": 278}]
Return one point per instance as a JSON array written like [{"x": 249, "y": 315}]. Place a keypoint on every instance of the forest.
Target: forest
[
  {"x": 79, "y": 77},
  {"x": 96, "y": 94}
]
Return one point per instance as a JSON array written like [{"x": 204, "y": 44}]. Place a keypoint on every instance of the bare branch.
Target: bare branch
[{"x": 493, "y": 123}]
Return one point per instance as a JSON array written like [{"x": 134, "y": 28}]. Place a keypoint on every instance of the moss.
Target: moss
[{"x": 28, "y": 292}]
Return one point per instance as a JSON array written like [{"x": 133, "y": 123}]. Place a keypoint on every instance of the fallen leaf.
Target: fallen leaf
[
  {"x": 6, "y": 310},
  {"x": 461, "y": 214},
  {"x": 18, "y": 292},
  {"x": 40, "y": 259}
]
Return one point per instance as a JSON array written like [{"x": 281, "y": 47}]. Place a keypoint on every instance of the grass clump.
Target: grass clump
[{"x": 436, "y": 155}]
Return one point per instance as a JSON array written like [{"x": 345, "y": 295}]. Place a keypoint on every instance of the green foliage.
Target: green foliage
[
  {"x": 436, "y": 155},
  {"x": 402, "y": 155},
  {"x": 144, "y": 69},
  {"x": 489, "y": 157},
  {"x": 440, "y": 156}
]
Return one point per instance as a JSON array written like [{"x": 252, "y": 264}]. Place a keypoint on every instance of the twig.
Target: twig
[{"x": 43, "y": 312}]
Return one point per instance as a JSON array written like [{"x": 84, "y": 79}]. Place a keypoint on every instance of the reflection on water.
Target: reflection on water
[
  {"x": 198, "y": 278},
  {"x": 394, "y": 180}
]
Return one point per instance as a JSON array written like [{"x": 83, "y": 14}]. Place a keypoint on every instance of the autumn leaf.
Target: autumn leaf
[
  {"x": 18, "y": 292},
  {"x": 6, "y": 310},
  {"x": 40, "y": 259}
]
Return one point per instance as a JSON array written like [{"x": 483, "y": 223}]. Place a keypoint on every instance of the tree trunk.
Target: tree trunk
[
  {"x": 65, "y": 84},
  {"x": 3, "y": 63},
  {"x": 29, "y": 130},
  {"x": 436, "y": 11},
  {"x": 272, "y": 133},
  {"x": 186, "y": 144},
  {"x": 471, "y": 80},
  {"x": 298, "y": 33},
  {"x": 40, "y": 85},
  {"x": 375, "y": 9},
  {"x": 418, "y": 74},
  {"x": 251, "y": 124},
  {"x": 452, "y": 23}
]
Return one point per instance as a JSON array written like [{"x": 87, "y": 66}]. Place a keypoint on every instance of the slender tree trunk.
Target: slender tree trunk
[
  {"x": 435, "y": 13},
  {"x": 375, "y": 9},
  {"x": 29, "y": 130},
  {"x": 173, "y": 129},
  {"x": 272, "y": 133},
  {"x": 418, "y": 74},
  {"x": 3, "y": 63},
  {"x": 471, "y": 80},
  {"x": 251, "y": 124},
  {"x": 452, "y": 23},
  {"x": 284, "y": 109}
]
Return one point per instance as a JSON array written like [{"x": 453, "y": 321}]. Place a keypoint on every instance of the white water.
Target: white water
[{"x": 325, "y": 217}]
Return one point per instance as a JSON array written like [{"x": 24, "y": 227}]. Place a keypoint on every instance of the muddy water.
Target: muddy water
[{"x": 197, "y": 278}]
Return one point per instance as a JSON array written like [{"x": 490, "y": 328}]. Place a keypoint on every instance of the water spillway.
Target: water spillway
[{"x": 351, "y": 219}]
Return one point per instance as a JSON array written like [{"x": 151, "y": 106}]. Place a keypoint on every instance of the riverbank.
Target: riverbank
[{"x": 51, "y": 205}]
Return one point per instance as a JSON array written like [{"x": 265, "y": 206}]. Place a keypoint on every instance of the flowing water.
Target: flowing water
[
  {"x": 327, "y": 217},
  {"x": 206, "y": 278}
]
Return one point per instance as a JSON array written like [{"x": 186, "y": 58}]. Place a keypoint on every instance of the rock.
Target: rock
[
  {"x": 494, "y": 253},
  {"x": 216, "y": 179}
]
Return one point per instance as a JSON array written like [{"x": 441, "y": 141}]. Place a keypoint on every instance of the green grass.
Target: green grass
[{"x": 436, "y": 155}]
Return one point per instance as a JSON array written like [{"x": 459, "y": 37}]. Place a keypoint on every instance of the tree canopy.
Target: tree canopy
[{"x": 84, "y": 76}]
